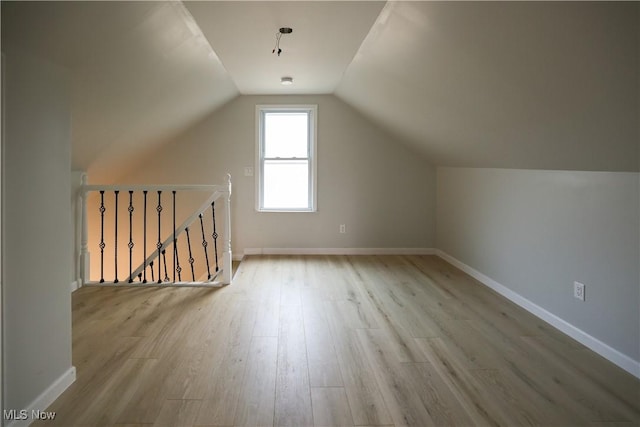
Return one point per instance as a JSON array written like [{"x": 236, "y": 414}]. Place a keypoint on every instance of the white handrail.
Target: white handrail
[{"x": 165, "y": 187}]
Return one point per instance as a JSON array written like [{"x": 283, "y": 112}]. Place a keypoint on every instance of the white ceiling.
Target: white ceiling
[
  {"x": 326, "y": 36},
  {"x": 535, "y": 85},
  {"x": 141, "y": 73},
  {"x": 540, "y": 85}
]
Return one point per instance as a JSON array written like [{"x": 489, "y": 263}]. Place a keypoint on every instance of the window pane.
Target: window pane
[
  {"x": 285, "y": 134},
  {"x": 286, "y": 184}
]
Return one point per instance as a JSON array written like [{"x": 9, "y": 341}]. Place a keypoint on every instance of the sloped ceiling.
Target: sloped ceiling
[
  {"x": 537, "y": 85},
  {"x": 141, "y": 73},
  {"x": 540, "y": 85}
]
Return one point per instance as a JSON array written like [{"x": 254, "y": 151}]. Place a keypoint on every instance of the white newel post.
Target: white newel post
[
  {"x": 84, "y": 235},
  {"x": 227, "y": 272}
]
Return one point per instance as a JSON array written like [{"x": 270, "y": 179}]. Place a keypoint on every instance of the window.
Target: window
[{"x": 286, "y": 158}]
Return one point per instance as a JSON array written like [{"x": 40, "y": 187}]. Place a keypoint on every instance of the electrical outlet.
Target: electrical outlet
[
  {"x": 248, "y": 171},
  {"x": 343, "y": 228},
  {"x": 578, "y": 290}
]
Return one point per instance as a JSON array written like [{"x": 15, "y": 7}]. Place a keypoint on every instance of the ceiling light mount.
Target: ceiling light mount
[
  {"x": 286, "y": 81},
  {"x": 281, "y": 31}
]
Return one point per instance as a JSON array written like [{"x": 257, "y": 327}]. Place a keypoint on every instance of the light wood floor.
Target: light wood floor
[{"x": 332, "y": 341}]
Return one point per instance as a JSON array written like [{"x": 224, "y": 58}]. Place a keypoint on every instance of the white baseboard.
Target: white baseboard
[
  {"x": 74, "y": 286},
  {"x": 46, "y": 398},
  {"x": 622, "y": 360},
  {"x": 339, "y": 251}
]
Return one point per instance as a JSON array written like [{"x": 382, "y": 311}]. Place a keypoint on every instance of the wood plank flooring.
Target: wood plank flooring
[{"x": 332, "y": 341}]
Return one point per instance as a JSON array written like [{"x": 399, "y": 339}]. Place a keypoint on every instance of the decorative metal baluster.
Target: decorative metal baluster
[
  {"x": 204, "y": 245},
  {"x": 176, "y": 258},
  {"x": 164, "y": 257},
  {"x": 178, "y": 267},
  {"x": 144, "y": 238},
  {"x": 215, "y": 233},
  {"x": 159, "y": 244},
  {"x": 191, "y": 260},
  {"x": 102, "y": 245},
  {"x": 115, "y": 245},
  {"x": 151, "y": 268},
  {"x": 131, "y": 236}
]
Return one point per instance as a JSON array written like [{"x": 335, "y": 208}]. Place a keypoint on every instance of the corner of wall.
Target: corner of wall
[{"x": 45, "y": 399}]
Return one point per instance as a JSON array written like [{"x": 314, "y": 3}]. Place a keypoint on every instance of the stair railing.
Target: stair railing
[{"x": 151, "y": 272}]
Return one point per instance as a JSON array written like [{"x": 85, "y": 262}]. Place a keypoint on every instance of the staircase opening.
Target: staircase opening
[{"x": 154, "y": 235}]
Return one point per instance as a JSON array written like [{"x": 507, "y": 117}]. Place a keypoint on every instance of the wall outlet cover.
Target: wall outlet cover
[{"x": 578, "y": 290}]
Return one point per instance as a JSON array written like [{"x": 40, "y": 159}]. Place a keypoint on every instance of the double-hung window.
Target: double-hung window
[{"x": 286, "y": 154}]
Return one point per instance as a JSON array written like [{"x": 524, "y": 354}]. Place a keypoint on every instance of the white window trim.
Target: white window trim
[{"x": 313, "y": 138}]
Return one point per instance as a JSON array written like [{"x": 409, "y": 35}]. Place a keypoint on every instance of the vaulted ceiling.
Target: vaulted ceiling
[
  {"x": 326, "y": 36},
  {"x": 534, "y": 85},
  {"x": 523, "y": 85},
  {"x": 141, "y": 73}
]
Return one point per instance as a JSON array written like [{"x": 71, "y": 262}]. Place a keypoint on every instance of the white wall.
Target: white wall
[
  {"x": 37, "y": 232},
  {"x": 2, "y": 127},
  {"x": 384, "y": 193},
  {"x": 536, "y": 232}
]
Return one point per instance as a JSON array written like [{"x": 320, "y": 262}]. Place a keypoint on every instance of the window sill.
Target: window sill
[{"x": 286, "y": 210}]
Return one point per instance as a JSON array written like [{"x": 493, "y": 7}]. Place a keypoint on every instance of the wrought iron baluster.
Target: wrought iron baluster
[
  {"x": 144, "y": 238},
  {"x": 159, "y": 244},
  {"x": 164, "y": 257},
  {"x": 115, "y": 245},
  {"x": 191, "y": 260},
  {"x": 176, "y": 258},
  {"x": 130, "y": 209},
  {"x": 215, "y": 233},
  {"x": 173, "y": 205},
  {"x": 102, "y": 245},
  {"x": 204, "y": 245},
  {"x": 151, "y": 268},
  {"x": 178, "y": 267}
]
